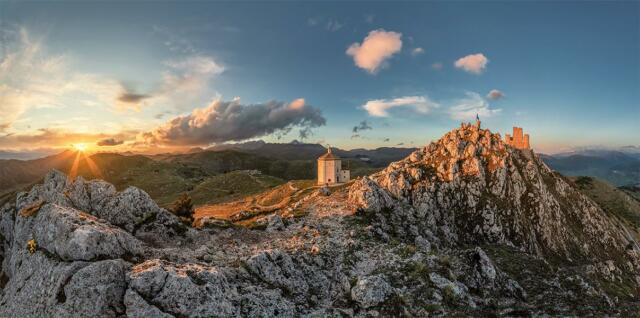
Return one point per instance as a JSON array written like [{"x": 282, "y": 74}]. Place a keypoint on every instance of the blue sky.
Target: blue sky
[{"x": 569, "y": 72}]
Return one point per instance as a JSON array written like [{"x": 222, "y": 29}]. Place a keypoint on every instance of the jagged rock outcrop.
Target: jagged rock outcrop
[
  {"x": 132, "y": 209},
  {"x": 469, "y": 187}
]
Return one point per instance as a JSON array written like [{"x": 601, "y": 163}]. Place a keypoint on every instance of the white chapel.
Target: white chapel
[{"x": 330, "y": 169}]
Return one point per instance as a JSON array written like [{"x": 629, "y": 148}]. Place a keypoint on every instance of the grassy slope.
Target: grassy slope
[
  {"x": 231, "y": 186},
  {"x": 614, "y": 201}
]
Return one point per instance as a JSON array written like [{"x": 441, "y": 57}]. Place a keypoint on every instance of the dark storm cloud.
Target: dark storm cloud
[
  {"x": 109, "y": 142},
  {"x": 231, "y": 121},
  {"x": 132, "y": 98},
  {"x": 305, "y": 133},
  {"x": 363, "y": 125}
]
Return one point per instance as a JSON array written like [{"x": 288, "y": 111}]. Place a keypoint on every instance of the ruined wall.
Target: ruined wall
[{"x": 517, "y": 140}]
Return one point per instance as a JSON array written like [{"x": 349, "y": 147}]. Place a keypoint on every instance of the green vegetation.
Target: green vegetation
[
  {"x": 183, "y": 208},
  {"x": 616, "y": 202},
  {"x": 231, "y": 186}
]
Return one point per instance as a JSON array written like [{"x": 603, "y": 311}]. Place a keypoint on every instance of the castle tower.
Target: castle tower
[
  {"x": 330, "y": 169},
  {"x": 517, "y": 140},
  {"x": 477, "y": 122}
]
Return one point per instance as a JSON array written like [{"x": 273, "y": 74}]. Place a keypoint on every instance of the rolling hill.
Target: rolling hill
[{"x": 210, "y": 176}]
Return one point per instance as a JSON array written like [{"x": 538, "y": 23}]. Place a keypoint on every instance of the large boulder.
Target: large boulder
[
  {"x": 371, "y": 291},
  {"x": 187, "y": 290},
  {"x": 61, "y": 262},
  {"x": 131, "y": 209}
]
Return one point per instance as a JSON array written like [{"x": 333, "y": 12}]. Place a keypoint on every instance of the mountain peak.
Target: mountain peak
[{"x": 470, "y": 187}]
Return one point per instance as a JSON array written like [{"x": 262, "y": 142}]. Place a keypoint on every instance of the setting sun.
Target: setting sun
[{"x": 80, "y": 147}]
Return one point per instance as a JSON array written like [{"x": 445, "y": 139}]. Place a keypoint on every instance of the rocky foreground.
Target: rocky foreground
[{"x": 466, "y": 226}]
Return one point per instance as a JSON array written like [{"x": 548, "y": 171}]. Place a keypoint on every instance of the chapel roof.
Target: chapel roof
[{"x": 329, "y": 155}]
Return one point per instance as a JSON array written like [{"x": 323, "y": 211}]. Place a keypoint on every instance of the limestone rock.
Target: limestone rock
[
  {"x": 131, "y": 209},
  {"x": 183, "y": 290},
  {"x": 72, "y": 235},
  {"x": 473, "y": 188},
  {"x": 371, "y": 291}
]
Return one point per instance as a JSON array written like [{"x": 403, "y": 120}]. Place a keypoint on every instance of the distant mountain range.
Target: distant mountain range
[
  {"x": 165, "y": 176},
  {"x": 617, "y": 167}
]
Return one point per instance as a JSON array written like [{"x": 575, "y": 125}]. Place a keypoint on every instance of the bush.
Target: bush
[
  {"x": 32, "y": 246},
  {"x": 182, "y": 207}
]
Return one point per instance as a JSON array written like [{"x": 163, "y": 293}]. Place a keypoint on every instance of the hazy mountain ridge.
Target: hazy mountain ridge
[
  {"x": 619, "y": 168},
  {"x": 165, "y": 176}
]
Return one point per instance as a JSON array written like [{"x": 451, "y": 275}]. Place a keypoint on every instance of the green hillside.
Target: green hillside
[{"x": 614, "y": 201}]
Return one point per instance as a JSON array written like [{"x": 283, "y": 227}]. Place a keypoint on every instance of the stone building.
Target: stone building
[
  {"x": 517, "y": 140},
  {"x": 330, "y": 169}
]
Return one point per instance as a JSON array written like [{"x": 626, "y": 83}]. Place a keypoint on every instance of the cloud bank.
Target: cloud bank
[
  {"x": 58, "y": 138},
  {"x": 109, "y": 142},
  {"x": 474, "y": 63},
  {"x": 375, "y": 49},
  {"x": 231, "y": 121},
  {"x": 467, "y": 108},
  {"x": 380, "y": 107}
]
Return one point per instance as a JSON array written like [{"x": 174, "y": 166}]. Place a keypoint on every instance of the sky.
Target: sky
[{"x": 161, "y": 76}]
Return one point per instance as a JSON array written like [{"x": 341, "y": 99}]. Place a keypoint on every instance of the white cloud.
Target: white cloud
[
  {"x": 31, "y": 79},
  {"x": 190, "y": 73},
  {"x": 417, "y": 51},
  {"x": 472, "y": 105},
  {"x": 437, "y": 66},
  {"x": 375, "y": 49},
  {"x": 380, "y": 107},
  {"x": 495, "y": 94},
  {"x": 474, "y": 63}
]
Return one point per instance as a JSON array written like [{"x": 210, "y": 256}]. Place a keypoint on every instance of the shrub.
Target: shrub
[
  {"x": 182, "y": 207},
  {"x": 32, "y": 246}
]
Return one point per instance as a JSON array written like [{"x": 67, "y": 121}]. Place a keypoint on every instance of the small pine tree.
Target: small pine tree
[{"x": 182, "y": 207}]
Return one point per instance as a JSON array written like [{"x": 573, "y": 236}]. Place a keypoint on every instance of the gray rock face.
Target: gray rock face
[
  {"x": 72, "y": 235},
  {"x": 371, "y": 291},
  {"x": 132, "y": 209},
  {"x": 469, "y": 187},
  {"x": 185, "y": 290},
  {"x": 74, "y": 269}
]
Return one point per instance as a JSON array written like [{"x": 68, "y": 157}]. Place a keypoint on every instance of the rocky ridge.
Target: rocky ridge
[
  {"x": 469, "y": 187},
  {"x": 394, "y": 244}
]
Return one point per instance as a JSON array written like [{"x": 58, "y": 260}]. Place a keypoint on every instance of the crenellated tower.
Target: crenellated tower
[{"x": 518, "y": 140}]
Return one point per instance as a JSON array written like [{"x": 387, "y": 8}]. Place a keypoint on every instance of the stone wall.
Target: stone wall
[{"x": 517, "y": 140}]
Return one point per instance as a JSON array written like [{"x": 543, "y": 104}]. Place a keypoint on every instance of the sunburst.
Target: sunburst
[{"x": 80, "y": 147}]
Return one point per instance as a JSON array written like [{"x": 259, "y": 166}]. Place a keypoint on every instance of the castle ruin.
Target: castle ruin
[{"x": 518, "y": 140}]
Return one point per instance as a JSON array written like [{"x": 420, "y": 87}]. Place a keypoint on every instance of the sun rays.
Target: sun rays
[
  {"x": 80, "y": 147},
  {"x": 81, "y": 154}
]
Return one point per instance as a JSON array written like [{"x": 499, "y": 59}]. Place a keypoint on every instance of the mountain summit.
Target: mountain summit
[{"x": 469, "y": 187}]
